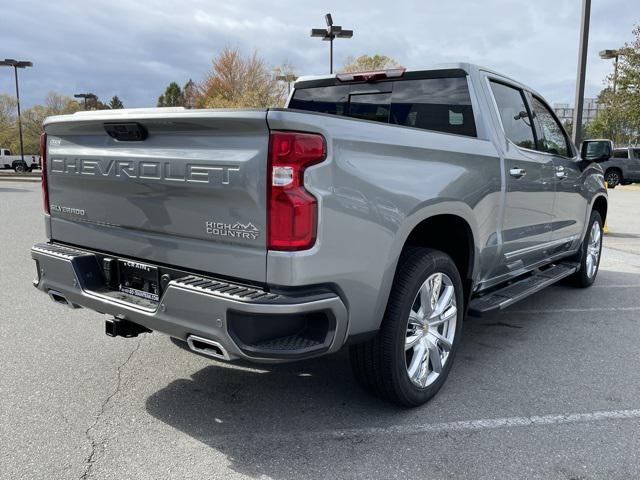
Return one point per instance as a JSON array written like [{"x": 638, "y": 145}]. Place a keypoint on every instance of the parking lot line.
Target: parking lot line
[{"x": 457, "y": 426}]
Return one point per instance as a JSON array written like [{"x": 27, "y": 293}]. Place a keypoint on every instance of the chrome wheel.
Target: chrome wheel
[
  {"x": 593, "y": 249},
  {"x": 431, "y": 329}
]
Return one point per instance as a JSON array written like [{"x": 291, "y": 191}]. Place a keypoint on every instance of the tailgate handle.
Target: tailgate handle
[{"x": 126, "y": 132}]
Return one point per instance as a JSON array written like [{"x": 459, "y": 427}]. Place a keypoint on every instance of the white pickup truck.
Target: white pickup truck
[{"x": 15, "y": 161}]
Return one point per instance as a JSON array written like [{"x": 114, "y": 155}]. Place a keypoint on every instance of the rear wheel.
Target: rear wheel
[
  {"x": 589, "y": 254},
  {"x": 20, "y": 168},
  {"x": 613, "y": 178},
  {"x": 410, "y": 357}
]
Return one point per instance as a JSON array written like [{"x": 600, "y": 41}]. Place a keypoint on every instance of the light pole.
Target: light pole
[
  {"x": 90, "y": 96},
  {"x": 16, "y": 64},
  {"x": 329, "y": 34},
  {"x": 608, "y": 55},
  {"x": 582, "y": 66}
]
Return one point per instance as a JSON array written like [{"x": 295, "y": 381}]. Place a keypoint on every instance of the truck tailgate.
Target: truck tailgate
[{"x": 192, "y": 194}]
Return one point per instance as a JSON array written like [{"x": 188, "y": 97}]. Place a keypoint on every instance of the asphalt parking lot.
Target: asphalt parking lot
[{"x": 547, "y": 389}]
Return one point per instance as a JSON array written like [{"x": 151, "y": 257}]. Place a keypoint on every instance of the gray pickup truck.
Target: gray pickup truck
[
  {"x": 623, "y": 168},
  {"x": 374, "y": 212}
]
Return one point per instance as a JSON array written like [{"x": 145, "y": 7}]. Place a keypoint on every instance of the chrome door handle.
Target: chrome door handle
[
  {"x": 517, "y": 172},
  {"x": 560, "y": 173}
]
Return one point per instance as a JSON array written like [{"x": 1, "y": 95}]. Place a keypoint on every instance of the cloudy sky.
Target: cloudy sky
[{"x": 134, "y": 48}]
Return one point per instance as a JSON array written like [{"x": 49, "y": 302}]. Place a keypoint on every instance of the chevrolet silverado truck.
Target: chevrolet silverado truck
[
  {"x": 374, "y": 212},
  {"x": 623, "y": 168}
]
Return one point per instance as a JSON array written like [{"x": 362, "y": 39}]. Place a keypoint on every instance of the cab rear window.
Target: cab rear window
[{"x": 437, "y": 104}]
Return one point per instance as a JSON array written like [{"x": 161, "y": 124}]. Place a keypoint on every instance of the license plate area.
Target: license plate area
[{"x": 139, "y": 279}]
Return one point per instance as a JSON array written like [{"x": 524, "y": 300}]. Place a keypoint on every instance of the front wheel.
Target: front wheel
[
  {"x": 589, "y": 253},
  {"x": 410, "y": 357}
]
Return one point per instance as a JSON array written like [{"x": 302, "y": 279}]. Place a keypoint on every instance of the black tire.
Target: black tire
[
  {"x": 379, "y": 364},
  {"x": 581, "y": 278},
  {"x": 20, "y": 168},
  {"x": 613, "y": 177}
]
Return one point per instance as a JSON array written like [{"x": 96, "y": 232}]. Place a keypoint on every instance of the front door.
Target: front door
[{"x": 571, "y": 204}]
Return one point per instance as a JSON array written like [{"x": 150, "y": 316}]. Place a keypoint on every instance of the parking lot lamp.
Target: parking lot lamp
[
  {"x": 16, "y": 64},
  {"x": 329, "y": 34}
]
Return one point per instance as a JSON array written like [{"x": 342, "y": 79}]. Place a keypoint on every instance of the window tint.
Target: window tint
[
  {"x": 322, "y": 99},
  {"x": 620, "y": 154},
  {"x": 440, "y": 104},
  {"x": 514, "y": 115},
  {"x": 636, "y": 153},
  {"x": 370, "y": 106},
  {"x": 551, "y": 136}
]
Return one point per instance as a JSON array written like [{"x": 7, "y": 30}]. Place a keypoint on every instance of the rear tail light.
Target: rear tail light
[
  {"x": 370, "y": 76},
  {"x": 43, "y": 169},
  {"x": 292, "y": 210}
]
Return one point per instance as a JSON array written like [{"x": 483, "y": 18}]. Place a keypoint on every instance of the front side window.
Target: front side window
[
  {"x": 636, "y": 153},
  {"x": 551, "y": 136},
  {"x": 440, "y": 104},
  {"x": 514, "y": 114},
  {"x": 620, "y": 154}
]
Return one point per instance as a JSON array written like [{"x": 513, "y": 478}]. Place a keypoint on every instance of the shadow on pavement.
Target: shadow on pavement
[{"x": 235, "y": 408}]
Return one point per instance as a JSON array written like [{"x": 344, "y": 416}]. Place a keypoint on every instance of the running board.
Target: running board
[{"x": 516, "y": 291}]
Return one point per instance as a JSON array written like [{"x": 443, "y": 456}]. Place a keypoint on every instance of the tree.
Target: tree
[
  {"x": 619, "y": 118},
  {"x": 365, "y": 63},
  {"x": 172, "y": 96},
  {"x": 236, "y": 81},
  {"x": 8, "y": 122},
  {"x": 115, "y": 103},
  {"x": 190, "y": 94},
  {"x": 32, "y": 118}
]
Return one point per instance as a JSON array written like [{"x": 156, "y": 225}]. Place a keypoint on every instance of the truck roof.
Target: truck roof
[{"x": 471, "y": 69}]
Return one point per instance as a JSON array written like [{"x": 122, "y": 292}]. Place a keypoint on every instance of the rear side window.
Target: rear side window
[
  {"x": 438, "y": 104},
  {"x": 636, "y": 154},
  {"x": 621, "y": 154},
  {"x": 514, "y": 115},
  {"x": 332, "y": 100},
  {"x": 551, "y": 136}
]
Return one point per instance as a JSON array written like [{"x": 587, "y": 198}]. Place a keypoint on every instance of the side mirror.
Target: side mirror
[{"x": 596, "y": 150}]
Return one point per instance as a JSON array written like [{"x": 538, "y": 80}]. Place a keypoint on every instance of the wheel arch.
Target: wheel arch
[
  {"x": 449, "y": 227},
  {"x": 600, "y": 205}
]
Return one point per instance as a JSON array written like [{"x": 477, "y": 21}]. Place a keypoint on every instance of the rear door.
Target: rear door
[
  {"x": 571, "y": 205},
  {"x": 529, "y": 178},
  {"x": 192, "y": 194}
]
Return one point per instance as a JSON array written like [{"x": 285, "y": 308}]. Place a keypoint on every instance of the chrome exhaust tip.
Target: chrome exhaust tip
[
  {"x": 61, "y": 299},
  {"x": 207, "y": 347}
]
